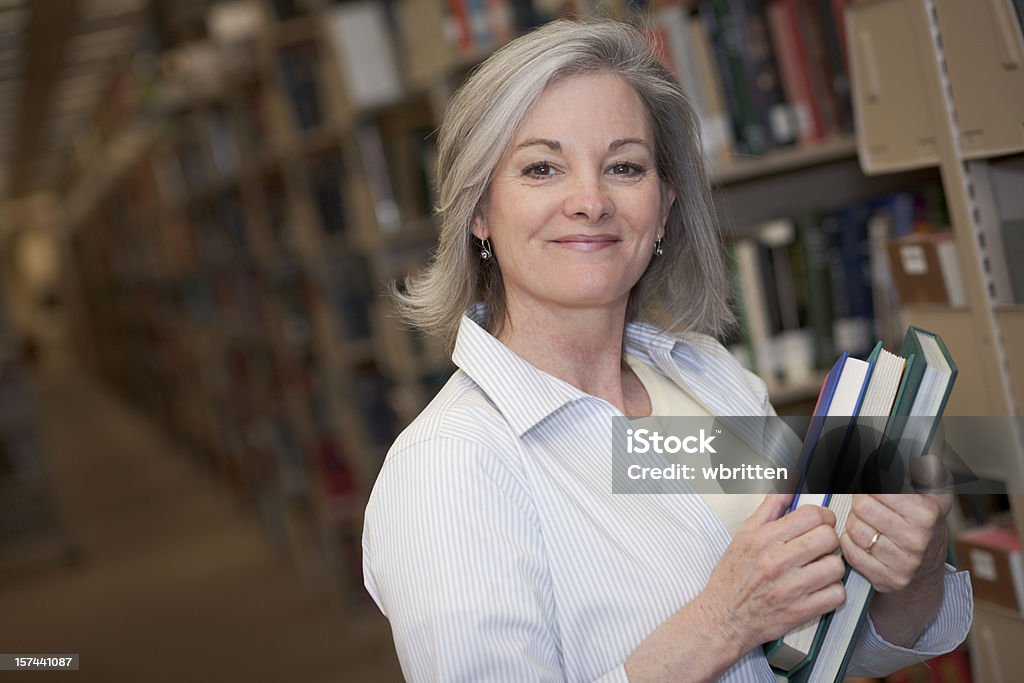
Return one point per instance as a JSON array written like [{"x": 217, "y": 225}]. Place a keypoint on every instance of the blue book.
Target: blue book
[{"x": 840, "y": 398}]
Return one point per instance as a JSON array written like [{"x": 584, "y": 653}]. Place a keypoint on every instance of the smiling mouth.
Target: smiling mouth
[{"x": 587, "y": 242}]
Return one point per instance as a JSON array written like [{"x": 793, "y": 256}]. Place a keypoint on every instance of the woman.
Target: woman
[{"x": 576, "y": 217}]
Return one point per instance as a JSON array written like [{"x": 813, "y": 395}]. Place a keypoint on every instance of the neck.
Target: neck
[{"x": 580, "y": 346}]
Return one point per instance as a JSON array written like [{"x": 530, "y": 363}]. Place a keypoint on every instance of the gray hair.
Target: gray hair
[{"x": 685, "y": 289}]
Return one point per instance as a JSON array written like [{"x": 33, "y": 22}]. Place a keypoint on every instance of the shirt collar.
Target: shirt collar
[{"x": 526, "y": 395}]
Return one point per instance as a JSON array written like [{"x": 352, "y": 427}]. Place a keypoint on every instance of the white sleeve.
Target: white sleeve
[{"x": 875, "y": 656}]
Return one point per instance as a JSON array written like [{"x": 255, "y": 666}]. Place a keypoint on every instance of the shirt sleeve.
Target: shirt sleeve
[
  {"x": 875, "y": 656},
  {"x": 454, "y": 557}
]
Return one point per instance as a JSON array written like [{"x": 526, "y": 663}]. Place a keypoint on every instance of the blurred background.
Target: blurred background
[{"x": 201, "y": 206}]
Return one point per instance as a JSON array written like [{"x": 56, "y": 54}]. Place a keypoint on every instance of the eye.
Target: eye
[
  {"x": 627, "y": 169},
  {"x": 541, "y": 169}
]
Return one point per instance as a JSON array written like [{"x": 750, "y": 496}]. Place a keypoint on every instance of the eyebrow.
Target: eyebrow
[
  {"x": 622, "y": 142},
  {"x": 556, "y": 146},
  {"x": 553, "y": 145}
]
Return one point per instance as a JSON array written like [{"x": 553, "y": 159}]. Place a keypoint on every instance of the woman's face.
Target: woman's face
[{"x": 576, "y": 205}]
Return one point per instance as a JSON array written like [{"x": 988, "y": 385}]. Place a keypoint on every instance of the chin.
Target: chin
[{"x": 586, "y": 298}]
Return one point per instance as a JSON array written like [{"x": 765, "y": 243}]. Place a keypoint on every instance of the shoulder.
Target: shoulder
[
  {"x": 455, "y": 462},
  {"x": 460, "y": 440},
  {"x": 460, "y": 413}
]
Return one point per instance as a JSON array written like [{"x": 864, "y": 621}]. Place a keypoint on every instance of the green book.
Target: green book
[{"x": 924, "y": 392}]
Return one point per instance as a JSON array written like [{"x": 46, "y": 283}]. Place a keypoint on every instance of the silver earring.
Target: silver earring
[
  {"x": 485, "y": 249},
  {"x": 658, "y": 249}
]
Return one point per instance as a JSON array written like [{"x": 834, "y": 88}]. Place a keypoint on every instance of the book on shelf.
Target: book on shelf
[
  {"x": 236, "y": 22},
  {"x": 926, "y": 269},
  {"x": 255, "y": 122},
  {"x": 220, "y": 134},
  {"x": 274, "y": 195},
  {"x": 326, "y": 175},
  {"x": 781, "y": 69},
  {"x": 794, "y": 69},
  {"x": 360, "y": 34},
  {"x": 413, "y": 156},
  {"x": 806, "y": 286},
  {"x": 848, "y": 254},
  {"x": 870, "y": 399},
  {"x": 299, "y": 67},
  {"x": 378, "y": 177},
  {"x": 289, "y": 9},
  {"x": 1013, "y": 250},
  {"x": 372, "y": 391},
  {"x": 721, "y": 20},
  {"x": 350, "y": 292},
  {"x": 426, "y": 55},
  {"x": 715, "y": 127},
  {"x": 992, "y": 554},
  {"x": 476, "y": 27}
]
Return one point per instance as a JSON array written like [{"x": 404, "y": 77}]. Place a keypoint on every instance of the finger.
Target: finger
[
  {"x": 799, "y": 522},
  {"x": 928, "y": 474},
  {"x": 922, "y": 511},
  {"x": 825, "y": 600},
  {"x": 861, "y": 534},
  {"x": 877, "y": 573},
  {"x": 901, "y": 559},
  {"x": 818, "y": 574},
  {"x": 880, "y": 516},
  {"x": 820, "y": 541},
  {"x": 771, "y": 508}
]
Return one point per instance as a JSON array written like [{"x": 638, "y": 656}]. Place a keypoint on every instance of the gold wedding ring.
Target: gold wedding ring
[{"x": 874, "y": 540}]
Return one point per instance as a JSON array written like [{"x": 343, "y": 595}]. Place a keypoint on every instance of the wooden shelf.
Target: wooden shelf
[
  {"x": 290, "y": 31},
  {"x": 784, "y": 160},
  {"x": 781, "y": 394},
  {"x": 1011, "y": 324}
]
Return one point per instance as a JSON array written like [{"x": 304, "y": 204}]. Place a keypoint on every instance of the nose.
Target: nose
[{"x": 587, "y": 199}]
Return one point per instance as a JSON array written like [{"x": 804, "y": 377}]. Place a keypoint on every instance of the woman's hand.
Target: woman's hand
[
  {"x": 905, "y": 560},
  {"x": 777, "y": 573},
  {"x": 911, "y": 539}
]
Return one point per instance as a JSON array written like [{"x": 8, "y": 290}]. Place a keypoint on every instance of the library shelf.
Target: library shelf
[
  {"x": 964, "y": 117},
  {"x": 839, "y": 147}
]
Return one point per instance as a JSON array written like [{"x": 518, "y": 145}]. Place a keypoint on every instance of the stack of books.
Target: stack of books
[{"x": 897, "y": 399}]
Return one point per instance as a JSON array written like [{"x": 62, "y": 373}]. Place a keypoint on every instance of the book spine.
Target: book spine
[
  {"x": 716, "y": 127},
  {"x": 724, "y": 39},
  {"x": 819, "y": 288},
  {"x": 771, "y": 109},
  {"x": 837, "y": 67},
  {"x": 459, "y": 12},
  {"x": 813, "y": 43},
  {"x": 796, "y": 79}
]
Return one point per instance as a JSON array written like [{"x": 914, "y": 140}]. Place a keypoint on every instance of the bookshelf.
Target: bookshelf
[
  {"x": 734, "y": 170},
  {"x": 967, "y": 122},
  {"x": 232, "y": 235},
  {"x": 32, "y": 532}
]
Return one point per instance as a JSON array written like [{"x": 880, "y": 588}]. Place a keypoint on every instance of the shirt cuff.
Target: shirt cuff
[
  {"x": 875, "y": 656},
  {"x": 616, "y": 675}
]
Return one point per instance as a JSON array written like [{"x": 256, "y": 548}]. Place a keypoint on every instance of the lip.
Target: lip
[{"x": 587, "y": 242}]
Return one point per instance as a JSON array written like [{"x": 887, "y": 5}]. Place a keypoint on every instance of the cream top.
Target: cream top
[{"x": 668, "y": 399}]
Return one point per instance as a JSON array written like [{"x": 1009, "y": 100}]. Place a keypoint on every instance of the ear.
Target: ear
[
  {"x": 668, "y": 197},
  {"x": 479, "y": 227}
]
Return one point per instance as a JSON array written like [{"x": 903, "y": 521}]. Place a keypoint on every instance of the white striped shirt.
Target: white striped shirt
[{"x": 496, "y": 548}]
